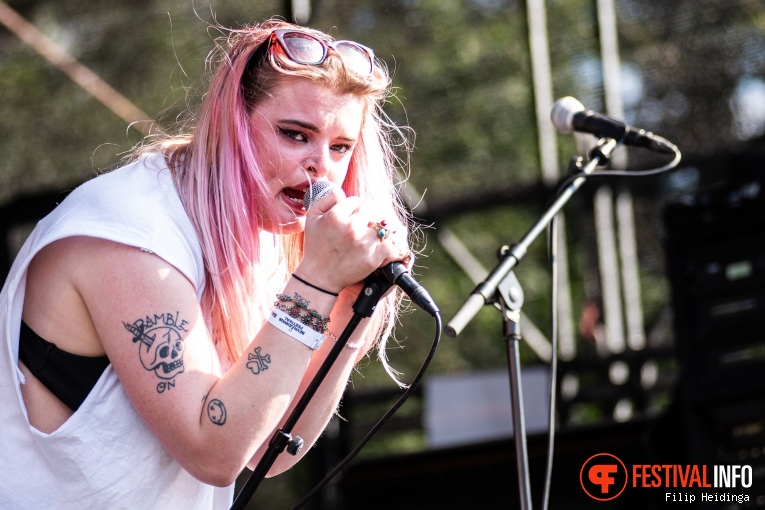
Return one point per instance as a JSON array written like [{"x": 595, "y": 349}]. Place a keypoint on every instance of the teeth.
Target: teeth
[
  {"x": 169, "y": 367},
  {"x": 294, "y": 199}
]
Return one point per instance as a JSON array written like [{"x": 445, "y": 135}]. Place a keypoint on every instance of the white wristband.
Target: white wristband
[{"x": 296, "y": 329}]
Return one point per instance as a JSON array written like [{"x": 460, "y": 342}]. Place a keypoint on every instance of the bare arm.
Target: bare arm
[
  {"x": 149, "y": 321},
  {"x": 327, "y": 398}
]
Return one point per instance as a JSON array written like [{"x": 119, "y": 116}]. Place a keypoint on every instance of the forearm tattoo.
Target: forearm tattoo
[
  {"x": 216, "y": 411},
  {"x": 160, "y": 346},
  {"x": 258, "y": 362}
]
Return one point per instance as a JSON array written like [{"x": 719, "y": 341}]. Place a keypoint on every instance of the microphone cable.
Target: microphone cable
[
  {"x": 553, "y": 251},
  {"x": 407, "y": 393},
  {"x": 627, "y": 173}
]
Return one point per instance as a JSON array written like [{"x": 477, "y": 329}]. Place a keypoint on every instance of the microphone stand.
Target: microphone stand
[
  {"x": 502, "y": 287},
  {"x": 510, "y": 300},
  {"x": 375, "y": 285},
  {"x": 484, "y": 293}
]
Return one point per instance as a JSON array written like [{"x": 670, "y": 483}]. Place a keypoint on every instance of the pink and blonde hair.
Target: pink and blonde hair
[{"x": 222, "y": 185}]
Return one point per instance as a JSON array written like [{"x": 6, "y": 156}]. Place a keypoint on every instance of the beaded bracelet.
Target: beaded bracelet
[{"x": 310, "y": 318}]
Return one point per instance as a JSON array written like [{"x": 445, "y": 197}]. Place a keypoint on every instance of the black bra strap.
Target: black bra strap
[{"x": 69, "y": 377}]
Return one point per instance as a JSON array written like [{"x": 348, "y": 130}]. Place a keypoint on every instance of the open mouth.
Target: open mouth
[{"x": 295, "y": 196}]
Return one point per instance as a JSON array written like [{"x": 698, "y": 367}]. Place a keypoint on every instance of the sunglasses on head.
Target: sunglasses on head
[{"x": 305, "y": 48}]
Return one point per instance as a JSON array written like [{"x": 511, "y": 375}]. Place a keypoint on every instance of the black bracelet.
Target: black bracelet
[{"x": 313, "y": 286}]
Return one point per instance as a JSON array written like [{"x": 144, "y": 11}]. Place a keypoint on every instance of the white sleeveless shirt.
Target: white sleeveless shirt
[{"x": 103, "y": 456}]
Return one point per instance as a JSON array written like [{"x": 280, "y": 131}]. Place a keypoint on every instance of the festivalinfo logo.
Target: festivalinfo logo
[{"x": 604, "y": 477}]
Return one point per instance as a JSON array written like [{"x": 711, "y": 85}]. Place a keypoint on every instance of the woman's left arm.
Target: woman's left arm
[{"x": 325, "y": 401}]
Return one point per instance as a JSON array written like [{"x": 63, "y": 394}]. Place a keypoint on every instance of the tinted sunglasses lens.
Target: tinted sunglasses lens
[
  {"x": 358, "y": 60},
  {"x": 303, "y": 48}
]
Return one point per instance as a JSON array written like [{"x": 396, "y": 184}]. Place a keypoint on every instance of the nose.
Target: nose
[{"x": 318, "y": 164}]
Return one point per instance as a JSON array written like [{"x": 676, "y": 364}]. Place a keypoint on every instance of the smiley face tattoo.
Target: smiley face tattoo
[{"x": 216, "y": 411}]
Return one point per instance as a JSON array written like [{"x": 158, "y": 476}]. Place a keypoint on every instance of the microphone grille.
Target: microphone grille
[
  {"x": 562, "y": 114},
  {"x": 318, "y": 190}
]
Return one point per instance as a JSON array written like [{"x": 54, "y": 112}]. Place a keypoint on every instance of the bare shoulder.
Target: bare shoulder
[
  {"x": 74, "y": 281},
  {"x": 53, "y": 305},
  {"x": 119, "y": 282}
]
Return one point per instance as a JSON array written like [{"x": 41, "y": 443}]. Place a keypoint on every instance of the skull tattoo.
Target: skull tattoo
[{"x": 160, "y": 349}]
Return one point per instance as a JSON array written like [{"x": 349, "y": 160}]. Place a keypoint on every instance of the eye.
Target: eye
[
  {"x": 298, "y": 136},
  {"x": 341, "y": 148}
]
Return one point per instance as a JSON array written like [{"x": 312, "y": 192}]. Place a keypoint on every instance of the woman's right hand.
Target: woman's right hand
[{"x": 341, "y": 249}]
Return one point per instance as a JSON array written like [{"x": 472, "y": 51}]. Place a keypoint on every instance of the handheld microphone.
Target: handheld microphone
[
  {"x": 568, "y": 115},
  {"x": 319, "y": 190},
  {"x": 395, "y": 273}
]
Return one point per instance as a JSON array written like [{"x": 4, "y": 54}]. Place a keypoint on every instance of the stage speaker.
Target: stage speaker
[
  {"x": 716, "y": 264},
  {"x": 715, "y": 248}
]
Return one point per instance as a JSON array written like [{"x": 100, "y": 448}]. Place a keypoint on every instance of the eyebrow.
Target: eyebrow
[{"x": 310, "y": 127}]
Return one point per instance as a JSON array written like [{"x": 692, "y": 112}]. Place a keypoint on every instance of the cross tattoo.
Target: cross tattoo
[{"x": 258, "y": 362}]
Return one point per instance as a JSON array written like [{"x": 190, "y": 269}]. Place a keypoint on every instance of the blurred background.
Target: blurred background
[{"x": 660, "y": 296}]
